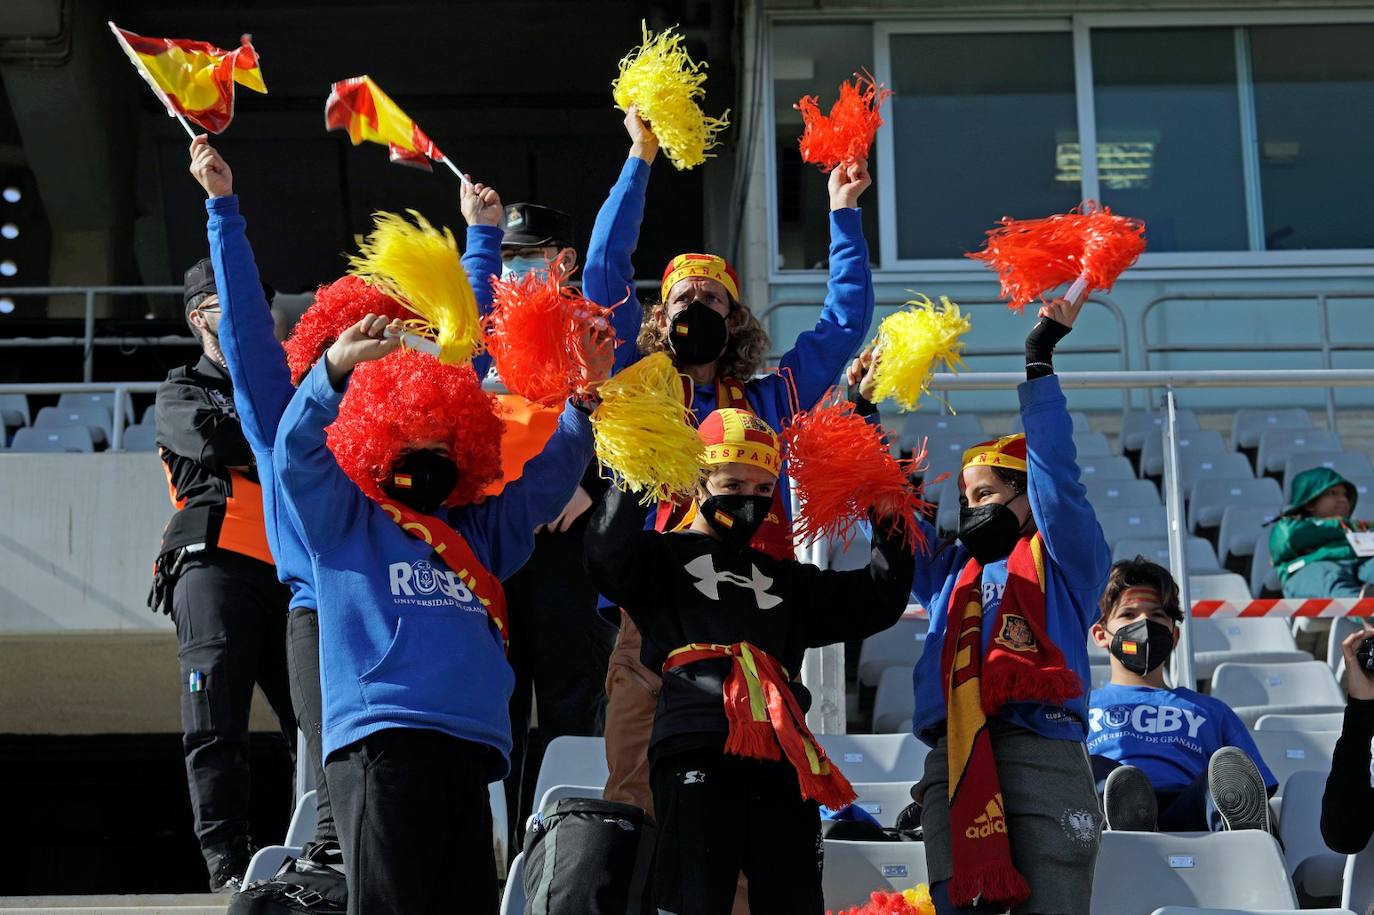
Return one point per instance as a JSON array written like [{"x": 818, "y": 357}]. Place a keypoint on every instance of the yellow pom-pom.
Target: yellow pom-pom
[
  {"x": 646, "y": 434},
  {"x": 418, "y": 266},
  {"x": 913, "y": 343},
  {"x": 661, "y": 78},
  {"x": 919, "y": 898}
]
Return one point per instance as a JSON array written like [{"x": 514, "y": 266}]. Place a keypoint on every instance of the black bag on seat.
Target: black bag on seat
[
  {"x": 301, "y": 887},
  {"x": 589, "y": 857}
]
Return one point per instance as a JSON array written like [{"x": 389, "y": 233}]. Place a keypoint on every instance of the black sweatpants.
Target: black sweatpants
[
  {"x": 230, "y": 615},
  {"x": 414, "y": 823},
  {"x": 303, "y": 661},
  {"x": 719, "y": 815}
]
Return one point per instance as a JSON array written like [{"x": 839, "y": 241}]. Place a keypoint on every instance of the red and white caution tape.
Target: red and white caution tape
[{"x": 1282, "y": 608}]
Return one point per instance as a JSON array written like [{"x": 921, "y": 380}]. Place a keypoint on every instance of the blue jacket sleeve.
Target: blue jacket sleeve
[
  {"x": 322, "y": 502},
  {"x": 501, "y": 528},
  {"x": 820, "y": 354},
  {"x": 1058, "y": 499},
  {"x": 481, "y": 262},
  {"x": 608, "y": 277},
  {"x": 256, "y": 361}
]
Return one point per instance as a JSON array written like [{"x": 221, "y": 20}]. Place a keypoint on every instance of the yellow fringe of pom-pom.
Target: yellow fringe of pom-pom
[
  {"x": 661, "y": 78},
  {"x": 419, "y": 266},
  {"x": 919, "y": 898},
  {"x": 646, "y": 434},
  {"x": 912, "y": 344}
]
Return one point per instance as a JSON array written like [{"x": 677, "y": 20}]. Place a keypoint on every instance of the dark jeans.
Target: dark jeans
[
  {"x": 1187, "y": 809},
  {"x": 721, "y": 815},
  {"x": 230, "y": 615},
  {"x": 415, "y": 823},
  {"x": 303, "y": 660}
]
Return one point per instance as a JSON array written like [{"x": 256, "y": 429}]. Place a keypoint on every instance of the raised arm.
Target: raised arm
[
  {"x": 482, "y": 210},
  {"x": 622, "y": 557},
  {"x": 1347, "y": 817},
  {"x": 846, "y": 606}
]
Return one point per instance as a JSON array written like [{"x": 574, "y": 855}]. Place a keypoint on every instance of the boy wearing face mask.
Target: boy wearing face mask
[
  {"x": 727, "y": 626},
  {"x": 1168, "y": 759}
]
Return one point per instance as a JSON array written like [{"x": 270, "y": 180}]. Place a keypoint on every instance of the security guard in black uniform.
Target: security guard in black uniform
[{"x": 214, "y": 575}]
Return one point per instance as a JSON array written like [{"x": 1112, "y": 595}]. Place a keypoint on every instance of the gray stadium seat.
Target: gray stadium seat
[
  {"x": 1108, "y": 495},
  {"x": 944, "y": 453},
  {"x": 149, "y": 417},
  {"x": 1264, "y": 581},
  {"x": 894, "y": 701},
  {"x": 140, "y": 438},
  {"x": 303, "y": 821},
  {"x": 1323, "y": 721},
  {"x": 1277, "y": 444},
  {"x": 14, "y": 410},
  {"x": 1287, "y": 752},
  {"x": 572, "y": 761},
  {"x": 1248, "y": 425},
  {"x": 1137, "y": 872},
  {"x": 1100, "y": 672},
  {"x": 1315, "y": 870},
  {"x": 268, "y": 860},
  {"x": 1111, "y": 467},
  {"x": 1079, "y": 418},
  {"x": 897, "y": 646},
  {"x": 1227, "y": 586},
  {"x": 1142, "y": 521},
  {"x": 1347, "y": 463},
  {"x": 876, "y": 757},
  {"x": 47, "y": 441},
  {"x": 556, "y": 793},
  {"x": 1137, "y": 425},
  {"x": 947, "y": 514},
  {"x": 1189, "y": 910},
  {"x": 1210, "y": 497},
  {"x": 853, "y": 870},
  {"x": 1198, "y": 441},
  {"x": 1364, "y": 506},
  {"x": 1341, "y": 627},
  {"x": 1240, "y": 525},
  {"x": 1091, "y": 444},
  {"x": 104, "y": 399},
  {"x": 1253, "y": 690},
  {"x": 916, "y": 426},
  {"x": 1357, "y": 891},
  {"x": 1251, "y": 641},
  {"x": 883, "y": 800},
  {"x": 1201, "y": 556},
  {"x": 1194, "y": 467},
  {"x": 847, "y": 557},
  {"x": 94, "y": 418},
  {"x": 513, "y": 899}
]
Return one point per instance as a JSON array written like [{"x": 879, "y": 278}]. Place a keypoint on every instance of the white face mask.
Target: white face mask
[{"x": 519, "y": 266}]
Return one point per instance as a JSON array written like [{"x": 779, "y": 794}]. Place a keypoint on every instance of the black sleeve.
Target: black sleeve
[
  {"x": 1040, "y": 343},
  {"x": 626, "y": 562},
  {"x": 845, "y": 606},
  {"x": 1348, "y": 802},
  {"x": 191, "y": 425}
]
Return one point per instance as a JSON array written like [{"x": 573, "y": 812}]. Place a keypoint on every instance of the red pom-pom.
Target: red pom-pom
[
  {"x": 842, "y": 468},
  {"x": 535, "y": 333},
  {"x": 885, "y": 903},
  {"x": 408, "y": 398},
  {"x": 846, "y": 135},
  {"x": 337, "y": 307},
  {"x": 1034, "y": 256}
]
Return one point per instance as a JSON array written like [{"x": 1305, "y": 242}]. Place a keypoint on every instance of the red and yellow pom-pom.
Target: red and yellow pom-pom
[
  {"x": 846, "y": 134},
  {"x": 536, "y": 332},
  {"x": 842, "y": 468},
  {"x": 1034, "y": 256},
  {"x": 915, "y": 901}
]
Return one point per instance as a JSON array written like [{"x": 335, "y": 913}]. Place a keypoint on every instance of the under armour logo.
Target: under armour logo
[
  {"x": 703, "y": 569},
  {"x": 694, "y": 777}
]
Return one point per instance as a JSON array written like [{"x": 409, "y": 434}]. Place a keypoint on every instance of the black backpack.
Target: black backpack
[
  {"x": 589, "y": 857},
  {"x": 302, "y": 886}
]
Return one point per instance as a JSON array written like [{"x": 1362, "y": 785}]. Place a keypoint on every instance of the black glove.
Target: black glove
[{"x": 1040, "y": 347}]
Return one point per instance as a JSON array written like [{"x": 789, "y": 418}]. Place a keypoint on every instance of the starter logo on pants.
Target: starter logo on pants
[
  {"x": 989, "y": 821},
  {"x": 421, "y": 579}
]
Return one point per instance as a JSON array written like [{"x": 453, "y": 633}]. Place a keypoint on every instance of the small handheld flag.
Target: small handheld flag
[
  {"x": 360, "y": 107},
  {"x": 193, "y": 79}
]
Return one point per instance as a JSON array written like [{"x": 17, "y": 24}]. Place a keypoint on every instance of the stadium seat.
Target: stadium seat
[
  {"x": 513, "y": 899},
  {"x": 47, "y": 441},
  {"x": 1240, "y": 525},
  {"x": 847, "y": 557},
  {"x": 556, "y": 793},
  {"x": 894, "y": 701},
  {"x": 14, "y": 410},
  {"x": 500, "y": 824},
  {"x": 94, "y": 418},
  {"x": 1138, "y": 872},
  {"x": 1227, "y": 586},
  {"x": 917, "y": 426},
  {"x": 1194, "y": 468},
  {"x": 1247, "y": 426},
  {"x": 267, "y": 861},
  {"x": 572, "y": 761},
  {"x": 1287, "y": 752},
  {"x": 1189, "y": 910},
  {"x": 853, "y": 870},
  {"x": 876, "y": 757},
  {"x": 1277, "y": 444},
  {"x": 1141, "y": 521},
  {"x": 883, "y": 800},
  {"x": 140, "y": 438},
  {"x": 1079, "y": 418},
  {"x": 1253, "y": 690},
  {"x": 1315, "y": 870},
  {"x": 1357, "y": 890},
  {"x": 104, "y": 399},
  {"x": 1349, "y": 464},
  {"x": 1364, "y": 505},
  {"x": 897, "y": 646},
  {"x": 1341, "y": 627},
  {"x": 1111, "y": 467},
  {"x": 1107, "y": 495},
  {"x": 1325, "y": 721},
  {"x": 1201, "y": 556},
  {"x": 944, "y": 453},
  {"x": 1198, "y": 441},
  {"x": 947, "y": 514},
  {"x": 1137, "y": 425},
  {"x": 1264, "y": 581},
  {"x": 1091, "y": 444},
  {"x": 1251, "y": 641},
  {"x": 1100, "y": 672},
  {"x": 1210, "y": 496},
  {"x": 149, "y": 417},
  {"x": 303, "y": 821}
]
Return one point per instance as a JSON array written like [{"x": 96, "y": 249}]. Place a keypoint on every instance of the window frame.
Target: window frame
[{"x": 1191, "y": 264}]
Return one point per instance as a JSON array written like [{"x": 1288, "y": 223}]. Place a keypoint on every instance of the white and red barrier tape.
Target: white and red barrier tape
[{"x": 1276, "y": 607}]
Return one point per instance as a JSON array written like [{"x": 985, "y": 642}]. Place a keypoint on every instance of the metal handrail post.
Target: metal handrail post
[
  {"x": 1324, "y": 322},
  {"x": 117, "y": 433},
  {"x": 1178, "y": 544},
  {"x": 88, "y": 350}
]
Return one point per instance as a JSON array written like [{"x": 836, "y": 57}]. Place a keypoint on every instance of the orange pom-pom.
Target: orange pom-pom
[
  {"x": 1034, "y": 256},
  {"x": 535, "y": 333},
  {"x": 884, "y": 902},
  {"x": 846, "y": 135},
  {"x": 842, "y": 468}
]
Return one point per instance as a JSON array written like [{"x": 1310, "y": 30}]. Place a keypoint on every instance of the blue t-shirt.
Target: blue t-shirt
[{"x": 1169, "y": 734}]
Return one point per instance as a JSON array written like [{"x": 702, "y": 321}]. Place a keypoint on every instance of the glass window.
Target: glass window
[
  {"x": 1314, "y": 88},
  {"x": 813, "y": 60},
  {"x": 1168, "y": 126}
]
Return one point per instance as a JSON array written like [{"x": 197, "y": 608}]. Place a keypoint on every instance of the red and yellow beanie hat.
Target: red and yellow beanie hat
[
  {"x": 732, "y": 436},
  {"x": 709, "y": 266},
  {"x": 1007, "y": 452}
]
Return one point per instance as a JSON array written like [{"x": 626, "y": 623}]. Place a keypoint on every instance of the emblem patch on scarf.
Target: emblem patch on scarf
[{"x": 1016, "y": 634}]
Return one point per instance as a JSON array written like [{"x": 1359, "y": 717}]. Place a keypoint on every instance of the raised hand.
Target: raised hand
[
  {"x": 597, "y": 351},
  {"x": 481, "y": 205},
  {"x": 576, "y": 508},
  {"x": 643, "y": 143},
  {"x": 363, "y": 342},
  {"x": 1062, "y": 310},
  {"x": 847, "y": 181},
  {"x": 863, "y": 371},
  {"x": 209, "y": 168},
  {"x": 1358, "y": 681}
]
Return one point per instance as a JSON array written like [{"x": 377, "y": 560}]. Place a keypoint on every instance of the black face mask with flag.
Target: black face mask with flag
[
  {"x": 697, "y": 334},
  {"x": 736, "y": 518},
  {"x": 1142, "y": 646},
  {"x": 422, "y": 480}
]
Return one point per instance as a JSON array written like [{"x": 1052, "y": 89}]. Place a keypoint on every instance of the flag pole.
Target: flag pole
[
  {"x": 182, "y": 118},
  {"x": 453, "y": 168}
]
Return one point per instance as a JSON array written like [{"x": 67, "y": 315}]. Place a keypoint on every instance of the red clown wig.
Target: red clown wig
[
  {"x": 408, "y": 398},
  {"x": 337, "y": 307}
]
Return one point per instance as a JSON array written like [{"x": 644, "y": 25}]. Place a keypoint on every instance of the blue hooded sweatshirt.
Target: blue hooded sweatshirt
[
  {"x": 1076, "y": 567},
  {"x": 403, "y": 644},
  {"x": 258, "y": 371}
]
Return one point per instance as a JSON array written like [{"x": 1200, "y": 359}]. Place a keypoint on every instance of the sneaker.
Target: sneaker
[
  {"x": 228, "y": 864},
  {"x": 1128, "y": 800},
  {"x": 1237, "y": 790}
]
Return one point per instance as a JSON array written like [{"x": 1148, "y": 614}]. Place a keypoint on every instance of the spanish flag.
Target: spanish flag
[
  {"x": 194, "y": 79},
  {"x": 359, "y": 106}
]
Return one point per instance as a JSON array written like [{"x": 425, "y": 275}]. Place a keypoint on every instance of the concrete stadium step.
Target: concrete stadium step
[{"x": 193, "y": 904}]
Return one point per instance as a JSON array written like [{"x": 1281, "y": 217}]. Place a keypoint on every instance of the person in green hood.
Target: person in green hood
[{"x": 1308, "y": 543}]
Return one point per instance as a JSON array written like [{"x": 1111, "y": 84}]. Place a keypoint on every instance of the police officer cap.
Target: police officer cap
[
  {"x": 200, "y": 282},
  {"x": 528, "y": 225}
]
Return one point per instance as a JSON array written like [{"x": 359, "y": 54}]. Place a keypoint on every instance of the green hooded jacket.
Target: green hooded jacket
[{"x": 1296, "y": 539}]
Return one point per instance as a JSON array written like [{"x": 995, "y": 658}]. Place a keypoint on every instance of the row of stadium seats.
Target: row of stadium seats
[{"x": 78, "y": 423}]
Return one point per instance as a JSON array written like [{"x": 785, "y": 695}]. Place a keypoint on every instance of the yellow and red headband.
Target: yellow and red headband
[
  {"x": 737, "y": 437},
  {"x": 1007, "y": 452},
  {"x": 708, "y": 266}
]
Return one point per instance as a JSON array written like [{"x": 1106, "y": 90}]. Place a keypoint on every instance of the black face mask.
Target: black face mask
[
  {"x": 736, "y": 518},
  {"x": 1142, "y": 646},
  {"x": 989, "y": 531},
  {"x": 422, "y": 480},
  {"x": 697, "y": 335}
]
